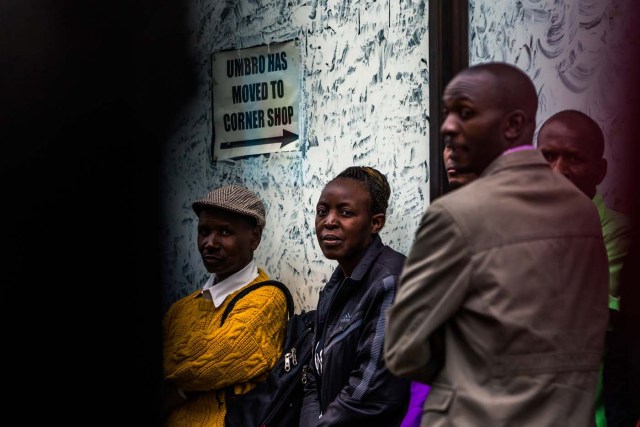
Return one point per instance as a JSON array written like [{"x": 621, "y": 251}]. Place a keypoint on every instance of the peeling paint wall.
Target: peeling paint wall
[
  {"x": 365, "y": 101},
  {"x": 574, "y": 50}
]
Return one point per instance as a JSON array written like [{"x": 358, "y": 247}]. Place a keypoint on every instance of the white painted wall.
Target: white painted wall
[{"x": 365, "y": 102}]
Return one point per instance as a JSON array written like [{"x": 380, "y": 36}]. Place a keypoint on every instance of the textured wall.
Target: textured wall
[
  {"x": 575, "y": 52},
  {"x": 365, "y": 101}
]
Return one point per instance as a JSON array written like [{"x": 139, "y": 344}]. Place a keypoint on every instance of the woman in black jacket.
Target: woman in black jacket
[{"x": 349, "y": 384}]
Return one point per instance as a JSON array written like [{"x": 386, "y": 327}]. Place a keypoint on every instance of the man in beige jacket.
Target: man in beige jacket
[{"x": 502, "y": 304}]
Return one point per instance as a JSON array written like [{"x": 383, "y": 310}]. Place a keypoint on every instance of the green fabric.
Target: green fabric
[
  {"x": 616, "y": 231},
  {"x": 601, "y": 420}
]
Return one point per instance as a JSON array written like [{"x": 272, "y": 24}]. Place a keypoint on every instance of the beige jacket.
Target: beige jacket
[{"x": 510, "y": 273}]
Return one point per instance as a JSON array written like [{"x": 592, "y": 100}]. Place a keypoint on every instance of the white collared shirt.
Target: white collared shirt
[{"x": 217, "y": 292}]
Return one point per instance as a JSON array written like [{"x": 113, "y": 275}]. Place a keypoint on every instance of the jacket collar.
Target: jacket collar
[
  {"x": 365, "y": 263},
  {"x": 515, "y": 159}
]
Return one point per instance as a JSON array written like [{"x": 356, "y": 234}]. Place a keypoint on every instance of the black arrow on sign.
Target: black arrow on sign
[{"x": 286, "y": 138}]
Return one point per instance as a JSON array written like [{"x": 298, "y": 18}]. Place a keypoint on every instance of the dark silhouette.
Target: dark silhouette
[{"x": 89, "y": 89}]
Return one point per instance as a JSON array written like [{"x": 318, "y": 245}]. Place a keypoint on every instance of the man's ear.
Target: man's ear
[
  {"x": 514, "y": 125},
  {"x": 256, "y": 236},
  {"x": 377, "y": 222},
  {"x": 601, "y": 171}
]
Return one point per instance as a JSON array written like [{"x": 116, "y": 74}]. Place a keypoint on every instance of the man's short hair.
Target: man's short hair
[{"x": 578, "y": 119}]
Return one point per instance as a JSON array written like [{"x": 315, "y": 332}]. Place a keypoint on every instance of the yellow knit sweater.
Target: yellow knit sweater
[{"x": 202, "y": 357}]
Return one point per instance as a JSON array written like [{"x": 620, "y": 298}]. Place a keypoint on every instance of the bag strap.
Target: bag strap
[{"x": 250, "y": 288}]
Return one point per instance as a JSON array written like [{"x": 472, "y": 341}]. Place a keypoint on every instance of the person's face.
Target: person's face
[
  {"x": 344, "y": 223},
  {"x": 570, "y": 152},
  {"x": 472, "y": 122},
  {"x": 454, "y": 162},
  {"x": 226, "y": 241}
]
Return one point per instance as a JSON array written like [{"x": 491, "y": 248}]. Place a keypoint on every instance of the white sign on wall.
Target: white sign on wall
[{"x": 256, "y": 99}]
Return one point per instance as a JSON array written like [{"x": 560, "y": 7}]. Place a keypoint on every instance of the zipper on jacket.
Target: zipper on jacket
[{"x": 324, "y": 336}]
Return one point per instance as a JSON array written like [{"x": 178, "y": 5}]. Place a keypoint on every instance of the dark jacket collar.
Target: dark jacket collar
[{"x": 365, "y": 263}]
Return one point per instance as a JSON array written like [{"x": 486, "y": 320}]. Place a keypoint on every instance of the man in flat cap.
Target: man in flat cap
[{"x": 202, "y": 357}]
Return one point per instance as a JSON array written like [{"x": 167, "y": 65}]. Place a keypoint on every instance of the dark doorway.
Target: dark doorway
[{"x": 448, "y": 54}]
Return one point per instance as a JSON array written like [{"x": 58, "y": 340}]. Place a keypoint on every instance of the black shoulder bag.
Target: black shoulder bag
[{"x": 277, "y": 401}]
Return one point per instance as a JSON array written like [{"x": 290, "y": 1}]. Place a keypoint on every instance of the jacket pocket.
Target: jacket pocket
[{"x": 439, "y": 398}]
